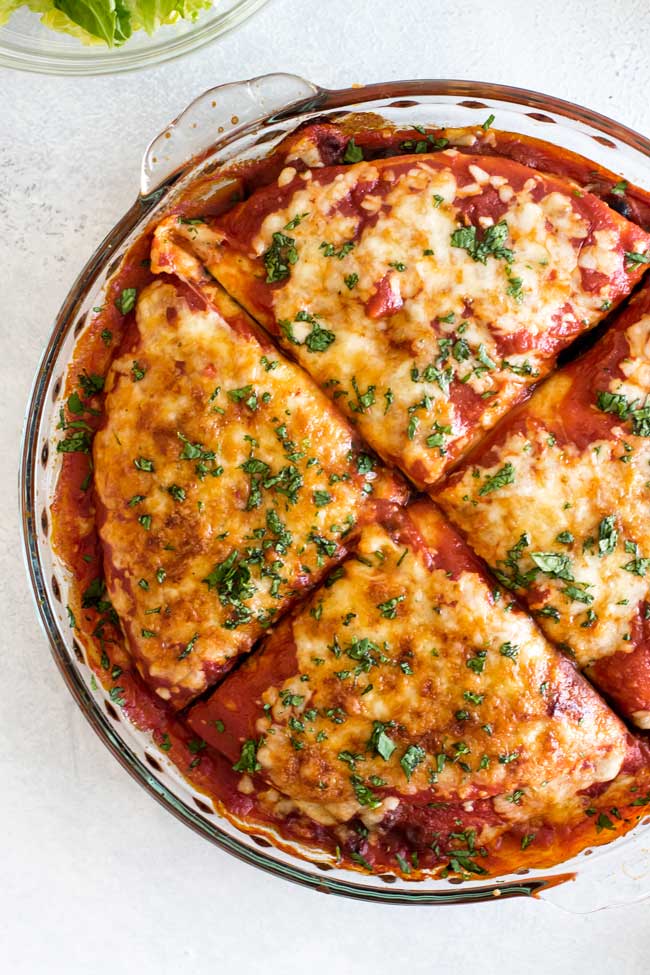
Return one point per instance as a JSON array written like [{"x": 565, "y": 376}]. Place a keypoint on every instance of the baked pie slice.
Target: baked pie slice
[
  {"x": 555, "y": 499},
  {"x": 424, "y": 293},
  {"x": 405, "y": 693},
  {"x": 226, "y": 482}
]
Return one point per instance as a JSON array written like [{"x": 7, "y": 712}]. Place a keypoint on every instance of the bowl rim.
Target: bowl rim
[
  {"x": 30, "y": 450},
  {"x": 88, "y": 62}
]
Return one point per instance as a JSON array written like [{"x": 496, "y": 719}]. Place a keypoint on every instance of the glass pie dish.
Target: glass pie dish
[
  {"x": 28, "y": 45},
  {"x": 243, "y": 121}
]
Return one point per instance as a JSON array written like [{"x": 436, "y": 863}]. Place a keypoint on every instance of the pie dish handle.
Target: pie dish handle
[{"x": 221, "y": 113}]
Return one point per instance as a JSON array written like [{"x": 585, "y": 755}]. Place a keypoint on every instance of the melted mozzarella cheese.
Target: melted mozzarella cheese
[
  {"x": 469, "y": 698},
  {"x": 440, "y": 290},
  {"x": 559, "y": 490},
  {"x": 226, "y": 483}
]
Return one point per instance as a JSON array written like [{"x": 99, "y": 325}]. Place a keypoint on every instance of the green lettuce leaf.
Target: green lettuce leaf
[
  {"x": 109, "y": 22},
  {"x": 151, "y": 14},
  {"x": 106, "y": 19}
]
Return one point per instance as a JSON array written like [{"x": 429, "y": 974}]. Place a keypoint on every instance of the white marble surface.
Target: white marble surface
[{"x": 94, "y": 875}]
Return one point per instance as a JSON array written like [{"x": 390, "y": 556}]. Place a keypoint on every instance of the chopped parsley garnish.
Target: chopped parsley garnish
[
  {"x": 519, "y": 368},
  {"x": 188, "y": 648},
  {"x": 642, "y": 801},
  {"x": 515, "y": 288},
  {"x": 502, "y": 477},
  {"x": 144, "y": 464},
  {"x": 91, "y": 384},
  {"x": 295, "y": 221},
  {"x": 137, "y": 371},
  {"x": 246, "y": 395},
  {"x": 477, "y": 663},
  {"x": 351, "y": 280},
  {"x": 116, "y": 696},
  {"x": 564, "y": 538},
  {"x": 177, "y": 493},
  {"x": 620, "y": 406},
  {"x": 322, "y": 498},
  {"x": 578, "y": 592},
  {"x": 604, "y": 822},
  {"x": 607, "y": 535},
  {"x": 126, "y": 301},
  {"x": 364, "y": 400},
  {"x": 508, "y": 758},
  {"x": 231, "y": 579},
  {"x": 353, "y": 153},
  {"x": 279, "y": 257},
  {"x": 437, "y": 438},
  {"x": 633, "y": 259},
  {"x": 365, "y": 795},
  {"x": 490, "y": 245},
  {"x": 509, "y": 650},
  {"x": 484, "y": 358},
  {"x": 247, "y": 761},
  {"x": 380, "y": 742},
  {"x": 329, "y": 250},
  {"x": 426, "y": 144},
  {"x": 637, "y": 567},
  {"x": 554, "y": 564},
  {"x": 77, "y": 440},
  {"x": 196, "y": 451},
  {"x": 317, "y": 340},
  {"x": 412, "y": 757},
  {"x": 388, "y": 609},
  {"x": 365, "y": 463},
  {"x": 620, "y": 188}
]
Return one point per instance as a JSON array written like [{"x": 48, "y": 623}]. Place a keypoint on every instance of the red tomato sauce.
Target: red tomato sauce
[{"x": 421, "y": 834}]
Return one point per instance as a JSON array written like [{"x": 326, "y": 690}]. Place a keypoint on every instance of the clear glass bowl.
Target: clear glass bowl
[
  {"x": 26, "y": 44},
  {"x": 241, "y": 121}
]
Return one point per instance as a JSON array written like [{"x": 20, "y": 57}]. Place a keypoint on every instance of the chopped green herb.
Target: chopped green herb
[
  {"x": 491, "y": 244},
  {"x": 247, "y": 761},
  {"x": 279, "y": 257},
  {"x": 353, "y": 152},
  {"x": 126, "y": 301},
  {"x": 412, "y": 757},
  {"x": 388, "y": 609},
  {"x": 564, "y": 538},
  {"x": 329, "y": 250},
  {"x": 506, "y": 475},
  {"x": 633, "y": 259},
  {"x": 188, "y": 648},
  {"x": 381, "y": 743}
]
